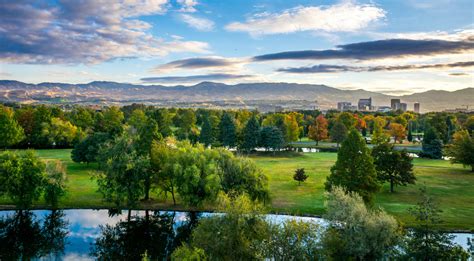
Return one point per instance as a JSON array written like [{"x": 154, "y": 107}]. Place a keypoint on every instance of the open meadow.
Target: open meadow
[{"x": 450, "y": 185}]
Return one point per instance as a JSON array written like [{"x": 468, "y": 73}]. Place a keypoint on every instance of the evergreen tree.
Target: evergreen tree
[
  {"x": 300, "y": 176},
  {"x": 228, "y": 136},
  {"x": 338, "y": 132},
  {"x": 410, "y": 135},
  {"x": 271, "y": 138},
  {"x": 251, "y": 135},
  {"x": 432, "y": 145},
  {"x": 393, "y": 166},
  {"x": 206, "y": 136},
  {"x": 354, "y": 169},
  {"x": 11, "y": 132}
]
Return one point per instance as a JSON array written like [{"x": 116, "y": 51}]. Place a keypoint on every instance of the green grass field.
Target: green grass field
[{"x": 452, "y": 186}]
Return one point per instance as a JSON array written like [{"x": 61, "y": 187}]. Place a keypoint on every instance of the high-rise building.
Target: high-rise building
[
  {"x": 403, "y": 106},
  {"x": 395, "y": 104},
  {"x": 416, "y": 107},
  {"x": 343, "y": 106},
  {"x": 365, "y": 104}
]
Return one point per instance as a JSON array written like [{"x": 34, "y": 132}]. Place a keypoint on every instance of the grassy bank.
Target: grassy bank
[{"x": 451, "y": 186}]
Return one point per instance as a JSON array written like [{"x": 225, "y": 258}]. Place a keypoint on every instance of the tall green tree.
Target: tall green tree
[
  {"x": 11, "y": 132},
  {"x": 228, "y": 134},
  {"x": 163, "y": 162},
  {"x": 251, "y": 135},
  {"x": 354, "y": 168},
  {"x": 22, "y": 177},
  {"x": 55, "y": 183},
  {"x": 271, "y": 138},
  {"x": 87, "y": 150},
  {"x": 110, "y": 121},
  {"x": 206, "y": 136},
  {"x": 61, "y": 133},
  {"x": 338, "y": 132},
  {"x": 123, "y": 170},
  {"x": 393, "y": 166},
  {"x": 432, "y": 145},
  {"x": 462, "y": 148}
]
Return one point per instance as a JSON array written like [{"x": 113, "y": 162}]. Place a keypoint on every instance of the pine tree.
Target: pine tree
[
  {"x": 206, "y": 136},
  {"x": 432, "y": 145},
  {"x": 410, "y": 136},
  {"x": 251, "y": 135},
  {"x": 338, "y": 132},
  {"x": 300, "y": 176},
  {"x": 354, "y": 169},
  {"x": 227, "y": 128}
]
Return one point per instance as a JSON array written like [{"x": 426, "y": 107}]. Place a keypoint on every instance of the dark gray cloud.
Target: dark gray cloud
[
  {"x": 194, "y": 78},
  {"x": 327, "y": 68},
  {"x": 376, "y": 50},
  {"x": 87, "y": 31},
  {"x": 196, "y": 63}
]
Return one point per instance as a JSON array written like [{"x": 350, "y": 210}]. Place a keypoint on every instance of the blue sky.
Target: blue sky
[{"x": 389, "y": 46}]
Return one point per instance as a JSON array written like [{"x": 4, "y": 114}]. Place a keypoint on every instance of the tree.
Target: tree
[
  {"x": 163, "y": 162},
  {"x": 432, "y": 146},
  {"x": 397, "y": 131},
  {"x": 426, "y": 241},
  {"x": 88, "y": 148},
  {"x": 60, "y": 133},
  {"x": 243, "y": 221},
  {"x": 378, "y": 134},
  {"x": 110, "y": 121},
  {"x": 55, "y": 186},
  {"x": 292, "y": 131},
  {"x": 354, "y": 168},
  {"x": 469, "y": 124},
  {"x": 356, "y": 232},
  {"x": 271, "y": 138},
  {"x": 294, "y": 240},
  {"x": 251, "y": 135},
  {"x": 347, "y": 119},
  {"x": 206, "y": 137},
  {"x": 82, "y": 117},
  {"x": 228, "y": 136},
  {"x": 319, "y": 129},
  {"x": 11, "y": 132},
  {"x": 300, "y": 176},
  {"x": 121, "y": 180},
  {"x": 241, "y": 175},
  {"x": 462, "y": 148},
  {"x": 338, "y": 132},
  {"x": 41, "y": 116},
  {"x": 22, "y": 176},
  {"x": 410, "y": 135},
  {"x": 393, "y": 166}
]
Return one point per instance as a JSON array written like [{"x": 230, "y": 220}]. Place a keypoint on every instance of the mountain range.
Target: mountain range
[{"x": 101, "y": 92}]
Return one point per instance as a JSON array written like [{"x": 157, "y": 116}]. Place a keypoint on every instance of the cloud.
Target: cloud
[
  {"x": 199, "y": 63},
  {"x": 458, "y": 74},
  {"x": 194, "y": 78},
  {"x": 376, "y": 50},
  {"x": 199, "y": 23},
  {"x": 326, "y": 68},
  {"x": 344, "y": 17},
  {"x": 187, "y": 5},
  {"x": 88, "y": 31}
]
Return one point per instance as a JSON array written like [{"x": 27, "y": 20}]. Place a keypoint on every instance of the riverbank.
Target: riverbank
[{"x": 450, "y": 185}]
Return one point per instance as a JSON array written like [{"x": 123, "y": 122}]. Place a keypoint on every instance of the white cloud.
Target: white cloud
[
  {"x": 199, "y": 23},
  {"x": 344, "y": 17},
  {"x": 187, "y": 5}
]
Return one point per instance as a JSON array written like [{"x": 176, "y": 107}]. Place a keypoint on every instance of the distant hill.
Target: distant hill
[{"x": 327, "y": 97}]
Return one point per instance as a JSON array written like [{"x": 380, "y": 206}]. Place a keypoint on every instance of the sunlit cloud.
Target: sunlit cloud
[{"x": 199, "y": 23}]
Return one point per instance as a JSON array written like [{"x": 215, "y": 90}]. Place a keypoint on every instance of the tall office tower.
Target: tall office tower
[
  {"x": 395, "y": 104},
  {"x": 416, "y": 107}
]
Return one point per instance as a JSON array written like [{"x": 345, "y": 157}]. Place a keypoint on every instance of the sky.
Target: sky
[{"x": 394, "y": 47}]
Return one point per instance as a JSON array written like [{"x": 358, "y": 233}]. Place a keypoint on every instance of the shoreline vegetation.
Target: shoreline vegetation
[{"x": 448, "y": 183}]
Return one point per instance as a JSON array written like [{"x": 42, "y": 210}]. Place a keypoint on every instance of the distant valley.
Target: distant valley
[{"x": 211, "y": 94}]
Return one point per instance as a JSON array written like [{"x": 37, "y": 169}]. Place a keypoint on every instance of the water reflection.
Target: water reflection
[
  {"x": 100, "y": 234},
  {"x": 24, "y": 237}
]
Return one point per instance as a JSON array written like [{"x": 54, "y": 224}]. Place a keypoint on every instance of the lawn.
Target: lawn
[{"x": 452, "y": 186}]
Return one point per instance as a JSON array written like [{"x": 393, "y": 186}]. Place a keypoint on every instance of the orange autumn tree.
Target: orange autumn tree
[
  {"x": 397, "y": 131},
  {"x": 319, "y": 129}
]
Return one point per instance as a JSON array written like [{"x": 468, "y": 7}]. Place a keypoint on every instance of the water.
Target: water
[{"x": 71, "y": 234}]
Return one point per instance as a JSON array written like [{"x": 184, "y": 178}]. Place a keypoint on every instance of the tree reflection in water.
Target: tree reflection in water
[
  {"x": 153, "y": 235},
  {"x": 23, "y": 237}
]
